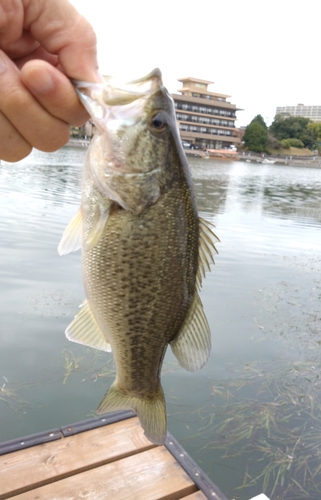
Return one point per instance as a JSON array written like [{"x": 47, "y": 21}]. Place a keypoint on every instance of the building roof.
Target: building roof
[
  {"x": 209, "y": 102},
  {"x": 196, "y": 80},
  {"x": 207, "y": 92}
]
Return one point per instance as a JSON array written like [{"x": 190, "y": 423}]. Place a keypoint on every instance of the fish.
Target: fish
[{"x": 144, "y": 248}]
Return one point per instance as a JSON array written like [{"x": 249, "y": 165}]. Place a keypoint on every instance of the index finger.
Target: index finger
[{"x": 59, "y": 27}]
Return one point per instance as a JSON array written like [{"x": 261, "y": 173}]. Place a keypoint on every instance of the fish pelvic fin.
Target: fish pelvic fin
[
  {"x": 192, "y": 345},
  {"x": 207, "y": 248},
  {"x": 84, "y": 330},
  {"x": 72, "y": 236},
  {"x": 98, "y": 229},
  {"x": 151, "y": 411}
]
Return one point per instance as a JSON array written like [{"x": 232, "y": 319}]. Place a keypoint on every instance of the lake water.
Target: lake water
[{"x": 252, "y": 417}]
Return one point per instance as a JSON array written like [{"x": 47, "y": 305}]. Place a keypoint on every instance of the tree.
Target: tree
[
  {"x": 293, "y": 127},
  {"x": 259, "y": 119},
  {"x": 256, "y": 135},
  {"x": 315, "y": 129}
]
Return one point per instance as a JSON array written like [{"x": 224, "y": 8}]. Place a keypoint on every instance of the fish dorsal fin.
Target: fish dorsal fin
[
  {"x": 192, "y": 345},
  {"x": 72, "y": 236},
  {"x": 97, "y": 229},
  {"x": 206, "y": 249},
  {"x": 84, "y": 330}
]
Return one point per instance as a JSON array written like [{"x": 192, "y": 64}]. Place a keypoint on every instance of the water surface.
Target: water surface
[{"x": 252, "y": 416}]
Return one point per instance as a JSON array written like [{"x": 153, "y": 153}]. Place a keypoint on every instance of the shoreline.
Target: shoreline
[{"x": 292, "y": 161}]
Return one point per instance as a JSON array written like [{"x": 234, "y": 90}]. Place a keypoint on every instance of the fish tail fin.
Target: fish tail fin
[{"x": 150, "y": 411}]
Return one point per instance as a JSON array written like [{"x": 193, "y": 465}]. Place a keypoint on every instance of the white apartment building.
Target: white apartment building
[{"x": 311, "y": 112}]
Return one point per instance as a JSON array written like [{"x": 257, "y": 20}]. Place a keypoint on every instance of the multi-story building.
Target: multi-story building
[
  {"x": 206, "y": 119},
  {"x": 312, "y": 112}
]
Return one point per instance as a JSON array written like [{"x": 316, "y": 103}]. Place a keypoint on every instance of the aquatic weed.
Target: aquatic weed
[
  {"x": 8, "y": 394},
  {"x": 71, "y": 363},
  {"x": 278, "y": 427}
]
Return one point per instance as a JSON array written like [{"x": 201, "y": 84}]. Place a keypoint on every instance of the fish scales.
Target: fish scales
[
  {"x": 146, "y": 275},
  {"x": 144, "y": 248}
]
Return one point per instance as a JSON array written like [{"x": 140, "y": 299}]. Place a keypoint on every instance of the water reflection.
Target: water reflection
[
  {"x": 262, "y": 301},
  {"x": 299, "y": 200},
  {"x": 211, "y": 194},
  {"x": 274, "y": 190}
]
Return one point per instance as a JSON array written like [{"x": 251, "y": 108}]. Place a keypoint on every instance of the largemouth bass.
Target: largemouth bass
[{"x": 144, "y": 248}]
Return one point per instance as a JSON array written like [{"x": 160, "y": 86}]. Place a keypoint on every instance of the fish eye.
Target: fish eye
[{"x": 159, "y": 122}]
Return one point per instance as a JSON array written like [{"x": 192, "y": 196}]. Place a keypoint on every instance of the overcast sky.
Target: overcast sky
[{"x": 262, "y": 53}]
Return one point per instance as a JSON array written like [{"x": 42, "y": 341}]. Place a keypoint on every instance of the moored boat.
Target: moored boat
[{"x": 223, "y": 154}]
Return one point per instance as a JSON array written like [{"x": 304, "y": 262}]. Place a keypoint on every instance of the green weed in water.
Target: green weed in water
[
  {"x": 280, "y": 428},
  {"x": 9, "y": 396},
  {"x": 71, "y": 362}
]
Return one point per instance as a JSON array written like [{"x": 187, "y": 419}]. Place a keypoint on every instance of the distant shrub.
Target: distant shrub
[
  {"x": 285, "y": 143},
  {"x": 294, "y": 143}
]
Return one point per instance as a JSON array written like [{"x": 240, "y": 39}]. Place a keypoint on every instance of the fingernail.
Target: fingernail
[{"x": 2, "y": 65}]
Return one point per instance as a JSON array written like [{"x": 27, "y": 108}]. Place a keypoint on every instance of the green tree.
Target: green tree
[
  {"x": 259, "y": 119},
  {"x": 293, "y": 127},
  {"x": 315, "y": 129},
  {"x": 256, "y": 135}
]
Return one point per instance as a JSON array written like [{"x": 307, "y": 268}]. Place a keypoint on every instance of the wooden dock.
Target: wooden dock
[{"x": 98, "y": 459}]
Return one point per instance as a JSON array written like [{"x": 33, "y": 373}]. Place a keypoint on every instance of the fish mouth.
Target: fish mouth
[
  {"x": 114, "y": 105},
  {"x": 118, "y": 94},
  {"x": 113, "y": 92},
  {"x": 122, "y": 113}
]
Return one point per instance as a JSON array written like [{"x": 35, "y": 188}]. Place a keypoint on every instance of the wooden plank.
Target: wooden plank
[
  {"x": 25, "y": 469},
  {"x": 151, "y": 475},
  {"x": 198, "y": 495}
]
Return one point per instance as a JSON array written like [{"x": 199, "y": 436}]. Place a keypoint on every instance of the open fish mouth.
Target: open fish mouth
[
  {"x": 115, "y": 93},
  {"x": 123, "y": 113}
]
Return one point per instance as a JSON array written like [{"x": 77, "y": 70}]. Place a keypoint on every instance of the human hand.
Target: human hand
[{"x": 43, "y": 43}]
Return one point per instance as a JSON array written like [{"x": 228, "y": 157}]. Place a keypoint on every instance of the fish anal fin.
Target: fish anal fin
[
  {"x": 84, "y": 330},
  {"x": 192, "y": 345},
  {"x": 72, "y": 236},
  {"x": 151, "y": 411}
]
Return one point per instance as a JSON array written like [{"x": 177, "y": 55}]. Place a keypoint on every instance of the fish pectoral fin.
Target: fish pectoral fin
[
  {"x": 206, "y": 249},
  {"x": 72, "y": 236},
  {"x": 84, "y": 330},
  {"x": 151, "y": 411},
  {"x": 192, "y": 345},
  {"x": 97, "y": 230}
]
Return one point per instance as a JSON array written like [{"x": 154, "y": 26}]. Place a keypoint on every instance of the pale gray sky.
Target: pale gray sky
[{"x": 262, "y": 53}]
